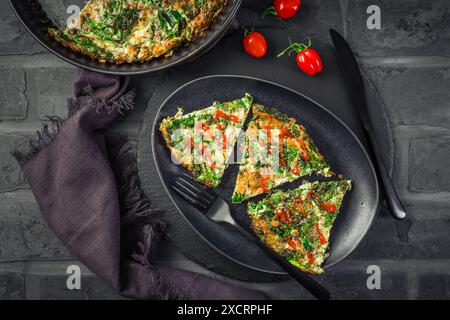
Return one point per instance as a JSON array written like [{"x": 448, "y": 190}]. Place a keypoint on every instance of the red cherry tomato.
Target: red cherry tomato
[
  {"x": 255, "y": 44},
  {"x": 308, "y": 59},
  {"x": 286, "y": 9}
]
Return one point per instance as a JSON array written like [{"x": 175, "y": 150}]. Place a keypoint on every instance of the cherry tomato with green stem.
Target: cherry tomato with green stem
[
  {"x": 308, "y": 59},
  {"x": 255, "y": 44},
  {"x": 285, "y": 9}
]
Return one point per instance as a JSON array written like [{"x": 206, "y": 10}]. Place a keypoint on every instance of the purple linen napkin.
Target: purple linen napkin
[{"x": 88, "y": 191}]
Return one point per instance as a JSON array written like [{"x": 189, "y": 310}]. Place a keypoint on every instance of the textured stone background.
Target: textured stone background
[{"x": 409, "y": 63}]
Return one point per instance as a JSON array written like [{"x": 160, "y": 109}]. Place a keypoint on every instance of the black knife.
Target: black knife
[{"x": 352, "y": 74}]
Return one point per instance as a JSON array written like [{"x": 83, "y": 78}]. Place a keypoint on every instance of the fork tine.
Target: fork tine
[
  {"x": 196, "y": 190},
  {"x": 198, "y": 184},
  {"x": 195, "y": 195},
  {"x": 184, "y": 174},
  {"x": 197, "y": 187},
  {"x": 189, "y": 199}
]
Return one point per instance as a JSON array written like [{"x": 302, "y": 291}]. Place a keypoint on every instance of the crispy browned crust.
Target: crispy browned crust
[{"x": 55, "y": 33}]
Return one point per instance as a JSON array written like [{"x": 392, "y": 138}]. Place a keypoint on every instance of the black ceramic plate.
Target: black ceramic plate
[
  {"x": 336, "y": 141},
  {"x": 38, "y": 15}
]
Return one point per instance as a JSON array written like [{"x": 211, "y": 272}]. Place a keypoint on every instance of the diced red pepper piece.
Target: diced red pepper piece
[
  {"x": 321, "y": 236},
  {"x": 221, "y": 114}
]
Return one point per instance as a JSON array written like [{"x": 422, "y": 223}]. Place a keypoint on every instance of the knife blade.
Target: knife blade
[{"x": 355, "y": 85}]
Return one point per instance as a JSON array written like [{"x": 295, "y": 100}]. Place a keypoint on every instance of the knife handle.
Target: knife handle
[
  {"x": 311, "y": 285},
  {"x": 395, "y": 206}
]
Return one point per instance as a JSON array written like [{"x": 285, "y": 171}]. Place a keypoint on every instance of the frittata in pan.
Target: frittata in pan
[
  {"x": 121, "y": 31},
  {"x": 297, "y": 223}
]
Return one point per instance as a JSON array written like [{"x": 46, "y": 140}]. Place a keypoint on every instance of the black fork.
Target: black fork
[{"x": 211, "y": 204}]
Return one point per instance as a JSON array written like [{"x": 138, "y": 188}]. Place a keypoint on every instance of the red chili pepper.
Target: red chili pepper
[
  {"x": 296, "y": 169},
  {"x": 211, "y": 164},
  {"x": 305, "y": 155},
  {"x": 209, "y": 161},
  {"x": 294, "y": 244},
  {"x": 329, "y": 207},
  {"x": 206, "y": 130},
  {"x": 280, "y": 213},
  {"x": 208, "y": 133},
  {"x": 268, "y": 132},
  {"x": 303, "y": 150},
  {"x": 310, "y": 257},
  {"x": 285, "y": 9},
  {"x": 298, "y": 243},
  {"x": 255, "y": 44},
  {"x": 288, "y": 216},
  {"x": 269, "y": 137},
  {"x": 262, "y": 183},
  {"x": 221, "y": 114},
  {"x": 291, "y": 242},
  {"x": 321, "y": 236},
  {"x": 284, "y": 215},
  {"x": 283, "y": 133},
  {"x": 299, "y": 203},
  {"x": 220, "y": 126},
  {"x": 308, "y": 59},
  {"x": 224, "y": 141}
]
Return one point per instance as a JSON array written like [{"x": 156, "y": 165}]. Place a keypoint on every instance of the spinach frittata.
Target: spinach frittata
[
  {"x": 276, "y": 150},
  {"x": 121, "y": 31},
  {"x": 203, "y": 140},
  {"x": 297, "y": 223}
]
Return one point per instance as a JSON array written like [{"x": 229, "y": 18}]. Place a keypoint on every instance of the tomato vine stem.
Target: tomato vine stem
[
  {"x": 270, "y": 11},
  {"x": 295, "y": 46},
  {"x": 247, "y": 32}
]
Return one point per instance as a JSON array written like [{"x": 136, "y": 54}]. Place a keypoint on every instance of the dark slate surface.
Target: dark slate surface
[
  {"x": 407, "y": 62},
  {"x": 414, "y": 27}
]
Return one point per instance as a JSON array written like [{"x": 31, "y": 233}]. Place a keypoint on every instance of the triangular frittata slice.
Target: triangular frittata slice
[
  {"x": 202, "y": 141},
  {"x": 275, "y": 150},
  {"x": 296, "y": 224}
]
